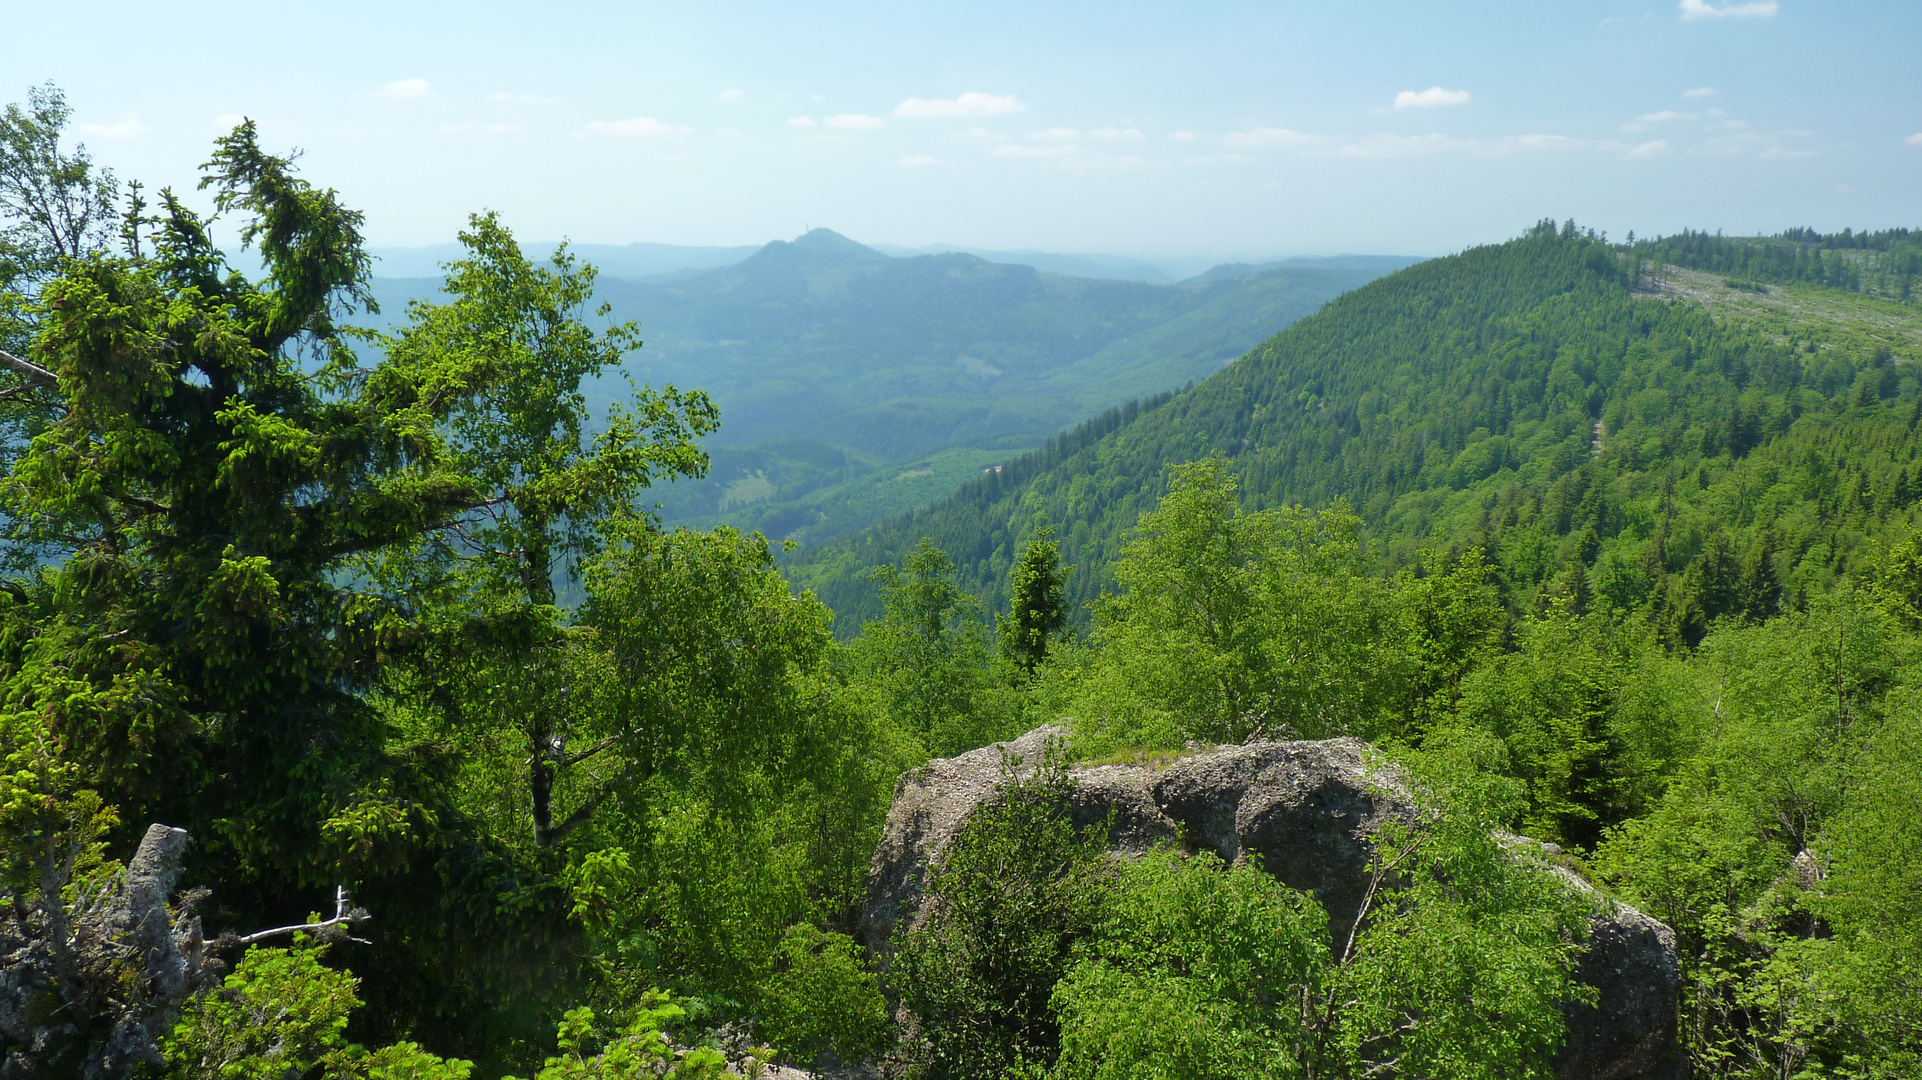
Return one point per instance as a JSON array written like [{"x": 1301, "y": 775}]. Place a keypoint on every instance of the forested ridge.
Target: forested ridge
[
  {"x": 357, "y": 719},
  {"x": 1458, "y": 402}
]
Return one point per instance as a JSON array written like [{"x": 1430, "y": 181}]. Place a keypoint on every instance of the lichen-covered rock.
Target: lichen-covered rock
[
  {"x": 87, "y": 987},
  {"x": 1306, "y": 810}
]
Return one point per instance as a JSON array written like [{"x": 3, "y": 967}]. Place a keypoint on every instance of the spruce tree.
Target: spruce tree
[{"x": 1039, "y": 607}]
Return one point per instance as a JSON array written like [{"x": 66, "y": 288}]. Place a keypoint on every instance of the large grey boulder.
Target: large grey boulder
[{"x": 1307, "y": 809}]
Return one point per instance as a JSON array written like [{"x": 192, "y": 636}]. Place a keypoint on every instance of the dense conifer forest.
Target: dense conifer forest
[{"x": 358, "y": 720}]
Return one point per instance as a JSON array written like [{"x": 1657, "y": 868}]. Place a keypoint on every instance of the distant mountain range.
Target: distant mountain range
[
  {"x": 836, "y": 352},
  {"x": 643, "y": 261},
  {"x": 648, "y": 261}
]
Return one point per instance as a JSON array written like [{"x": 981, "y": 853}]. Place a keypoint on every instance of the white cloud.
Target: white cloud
[
  {"x": 1784, "y": 152},
  {"x": 855, "y": 122},
  {"x": 638, "y": 127},
  {"x": 1433, "y": 97},
  {"x": 1537, "y": 142},
  {"x": 1057, "y": 134},
  {"x": 1384, "y": 146},
  {"x": 1395, "y": 146},
  {"x": 521, "y": 99},
  {"x": 1128, "y": 134},
  {"x": 973, "y": 103},
  {"x": 1700, "y": 91},
  {"x": 1184, "y": 135},
  {"x": 1282, "y": 137},
  {"x": 800, "y": 122},
  {"x": 981, "y": 134},
  {"x": 731, "y": 95},
  {"x": 1652, "y": 149},
  {"x": 1012, "y": 150},
  {"x": 468, "y": 129},
  {"x": 228, "y": 121},
  {"x": 1663, "y": 116},
  {"x": 127, "y": 127},
  {"x": 919, "y": 161},
  {"x": 407, "y": 88},
  {"x": 1915, "y": 139},
  {"x": 728, "y": 133},
  {"x": 1747, "y": 9}
]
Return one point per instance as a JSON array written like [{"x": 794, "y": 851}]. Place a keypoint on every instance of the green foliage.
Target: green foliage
[
  {"x": 823, "y": 1000},
  {"x": 1551, "y": 701},
  {"x": 53, "y": 206},
  {"x": 282, "y": 1012},
  {"x": 1236, "y": 625},
  {"x": 1454, "y": 405},
  {"x": 1019, "y": 889},
  {"x": 1036, "y": 612},
  {"x": 1883, "y": 263},
  {"x": 925, "y": 660},
  {"x": 637, "y": 1049},
  {"x": 1796, "y": 731},
  {"x": 1197, "y": 970},
  {"x": 1180, "y": 966}
]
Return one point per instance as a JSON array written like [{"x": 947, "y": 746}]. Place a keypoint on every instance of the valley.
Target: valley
[{"x": 823, "y": 349}]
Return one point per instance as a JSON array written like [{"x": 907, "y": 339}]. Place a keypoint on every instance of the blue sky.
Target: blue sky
[{"x": 1219, "y": 129}]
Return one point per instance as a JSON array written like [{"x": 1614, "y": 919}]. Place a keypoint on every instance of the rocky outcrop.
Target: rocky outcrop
[
  {"x": 87, "y": 986},
  {"x": 1307, "y": 810}
]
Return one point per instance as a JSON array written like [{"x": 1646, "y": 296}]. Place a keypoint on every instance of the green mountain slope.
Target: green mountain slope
[
  {"x": 1596, "y": 418},
  {"x": 826, "y": 339},
  {"x": 833, "y": 362}
]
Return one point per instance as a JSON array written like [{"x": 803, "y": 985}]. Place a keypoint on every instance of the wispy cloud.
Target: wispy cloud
[
  {"x": 1654, "y": 148},
  {"x": 1431, "y": 98},
  {"x": 127, "y": 127},
  {"x": 1116, "y": 134},
  {"x": 1779, "y": 151},
  {"x": 728, "y": 133},
  {"x": 735, "y": 94},
  {"x": 1663, "y": 116},
  {"x": 486, "y": 129},
  {"x": 522, "y": 99},
  {"x": 1055, "y": 134},
  {"x": 1184, "y": 135},
  {"x": 1700, "y": 91},
  {"x": 1915, "y": 139},
  {"x": 1748, "y": 9},
  {"x": 638, "y": 127},
  {"x": 855, "y": 122},
  {"x": 1282, "y": 137},
  {"x": 1015, "y": 150},
  {"x": 973, "y": 103},
  {"x": 403, "y": 89},
  {"x": 1385, "y": 145},
  {"x": 800, "y": 121},
  {"x": 919, "y": 161}
]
